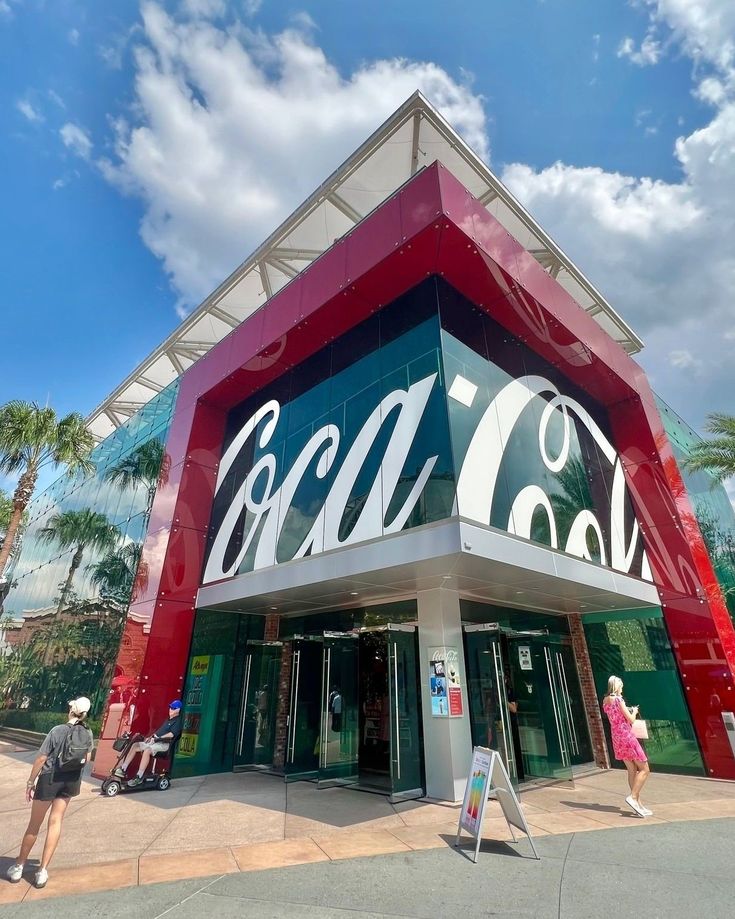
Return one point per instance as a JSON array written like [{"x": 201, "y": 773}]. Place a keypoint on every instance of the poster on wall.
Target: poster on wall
[
  {"x": 444, "y": 683},
  {"x": 201, "y": 697},
  {"x": 524, "y": 657}
]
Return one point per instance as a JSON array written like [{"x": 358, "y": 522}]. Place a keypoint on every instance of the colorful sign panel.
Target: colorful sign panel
[
  {"x": 444, "y": 683},
  {"x": 201, "y": 698},
  {"x": 488, "y": 776}
]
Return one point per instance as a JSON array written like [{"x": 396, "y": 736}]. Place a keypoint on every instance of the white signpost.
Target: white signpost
[{"x": 488, "y": 777}]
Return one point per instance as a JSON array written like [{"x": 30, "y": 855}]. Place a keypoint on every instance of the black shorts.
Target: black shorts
[{"x": 58, "y": 785}]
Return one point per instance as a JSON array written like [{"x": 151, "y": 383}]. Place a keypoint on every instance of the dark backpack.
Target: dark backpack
[{"x": 75, "y": 749}]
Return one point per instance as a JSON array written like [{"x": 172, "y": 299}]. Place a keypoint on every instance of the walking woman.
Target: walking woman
[
  {"x": 55, "y": 779},
  {"x": 625, "y": 744}
]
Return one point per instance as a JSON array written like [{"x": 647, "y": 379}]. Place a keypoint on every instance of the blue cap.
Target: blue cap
[{"x": 175, "y": 704}]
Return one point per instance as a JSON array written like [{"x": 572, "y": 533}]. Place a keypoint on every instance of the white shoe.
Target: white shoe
[
  {"x": 14, "y": 873},
  {"x": 634, "y": 805},
  {"x": 645, "y": 811},
  {"x": 40, "y": 878}
]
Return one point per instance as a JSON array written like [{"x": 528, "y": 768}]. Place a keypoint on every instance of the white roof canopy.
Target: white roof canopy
[{"x": 413, "y": 137}]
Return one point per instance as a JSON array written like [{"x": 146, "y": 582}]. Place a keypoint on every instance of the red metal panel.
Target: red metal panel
[{"x": 168, "y": 645}]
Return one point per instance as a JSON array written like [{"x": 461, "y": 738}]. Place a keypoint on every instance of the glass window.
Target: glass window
[{"x": 637, "y": 649}]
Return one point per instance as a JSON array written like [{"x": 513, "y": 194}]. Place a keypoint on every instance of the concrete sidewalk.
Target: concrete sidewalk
[
  {"x": 672, "y": 870},
  {"x": 233, "y": 823}
]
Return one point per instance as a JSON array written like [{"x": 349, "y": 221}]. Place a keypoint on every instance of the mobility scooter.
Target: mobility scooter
[{"x": 154, "y": 777}]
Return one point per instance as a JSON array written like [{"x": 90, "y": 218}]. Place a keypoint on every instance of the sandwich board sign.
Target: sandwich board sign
[{"x": 489, "y": 777}]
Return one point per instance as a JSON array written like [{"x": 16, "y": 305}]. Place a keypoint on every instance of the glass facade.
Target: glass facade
[
  {"x": 638, "y": 650},
  {"x": 713, "y": 509},
  {"x": 326, "y": 410},
  {"x": 425, "y": 410},
  {"x": 63, "y": 617},
  {"x": 533, "y": 453},
  {"x": 212, "y": 690}
]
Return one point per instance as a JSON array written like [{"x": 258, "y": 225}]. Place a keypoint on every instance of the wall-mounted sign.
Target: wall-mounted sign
[
  {"x": 524, "y": 657},
  {"x": 201, "y": 698},
  {"x": 444, "y": 683},
  {"x": 254, "y": 527}
]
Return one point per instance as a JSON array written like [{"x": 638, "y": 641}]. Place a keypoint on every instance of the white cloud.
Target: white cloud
[
  {"x": 76, "y": 139},
  {"x": 28, "y": 111},
  {"x": 230, "y": 129},
  {"x": 684, "y": 360},
  {"x": 204, "y": 8},
  {"x": 648, "y": 54},
  {"x": 73, "y": 36},
  {"x": 704, "y": 28},
  {"x": 55, "y": 97}
]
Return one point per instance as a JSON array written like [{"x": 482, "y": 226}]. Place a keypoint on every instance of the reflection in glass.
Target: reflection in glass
[{"x": 61, "y": 622}]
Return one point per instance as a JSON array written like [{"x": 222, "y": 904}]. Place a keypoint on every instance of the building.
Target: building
[{"x": 415, "y": 495}]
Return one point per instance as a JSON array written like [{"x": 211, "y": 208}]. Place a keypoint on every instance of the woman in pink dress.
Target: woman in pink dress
[{"x": 625, "y": 744}]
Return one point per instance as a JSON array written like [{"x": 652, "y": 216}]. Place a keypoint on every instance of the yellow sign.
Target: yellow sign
[
  {"x": 199, "y": 665},
  {"x": 188, "y": 744}
]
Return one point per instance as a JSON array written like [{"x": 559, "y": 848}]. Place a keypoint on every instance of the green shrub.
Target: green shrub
[{"x": 42, "y": 722}]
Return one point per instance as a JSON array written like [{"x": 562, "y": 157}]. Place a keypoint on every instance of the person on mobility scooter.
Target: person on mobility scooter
[{"x": 159, "y": 744}]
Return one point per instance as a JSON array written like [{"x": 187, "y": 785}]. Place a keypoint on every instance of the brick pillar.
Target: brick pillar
[
  {"x": 284, "y": 693},
  {"x": 589, "y": 694},
  {"x": 272, "y": 625}
]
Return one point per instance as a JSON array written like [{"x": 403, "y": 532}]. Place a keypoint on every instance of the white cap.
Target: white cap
[{"x": 80, "y": 706}]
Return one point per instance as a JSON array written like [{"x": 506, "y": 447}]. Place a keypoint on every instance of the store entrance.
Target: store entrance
[
  {"x": 354, "y": 711},
  {"x": 256, "y": 725},
  {"x": 525, "y": 701}
]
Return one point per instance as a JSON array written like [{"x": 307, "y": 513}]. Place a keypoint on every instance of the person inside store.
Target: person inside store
[
  {"x": 626, "y": 746},
  {"x": 56, "y": 778},
  {"x": 158, "y": 742},
  {"x": 515, "y": 733}
]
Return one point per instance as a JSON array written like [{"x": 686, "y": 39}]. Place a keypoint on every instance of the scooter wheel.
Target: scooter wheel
[
  {"x": 111, "y": 789},
  {"x": 163, "y": 783}
]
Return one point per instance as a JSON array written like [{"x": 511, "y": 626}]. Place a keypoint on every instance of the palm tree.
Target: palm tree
[
  {"x": 114, "y": 573},
  {"x": 31, "y": 438},
  {"x": 717, "y": 455},
  {"x": 148, "y": 465},
  {"x": 80, "y": 530}
]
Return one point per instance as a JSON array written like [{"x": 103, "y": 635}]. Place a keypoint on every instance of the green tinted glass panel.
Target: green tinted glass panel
[
  {"x": 406, "y": 747},
  {"x": 637, "y": 649},
  {"x": 256, "y": 730},
  {"x": 305, "y": 710},
  {"x": 222, "y": 637},
  {"x": 491, "y": 721},
  {"x": 339, "y": 739}
]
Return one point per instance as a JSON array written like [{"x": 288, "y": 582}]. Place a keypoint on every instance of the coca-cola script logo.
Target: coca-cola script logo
[{"x": 265, "y": 507}]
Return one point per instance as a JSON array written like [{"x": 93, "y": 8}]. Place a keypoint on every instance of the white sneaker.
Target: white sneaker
[
  {"x": 15, "y": 873},
  {"x": 646, "y": 812},
  {"x": 40, "y": 878},
  {"x": 634, "y": 805}
]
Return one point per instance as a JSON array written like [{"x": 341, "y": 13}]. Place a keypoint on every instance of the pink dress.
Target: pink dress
[{"x": 625, "y": 743}]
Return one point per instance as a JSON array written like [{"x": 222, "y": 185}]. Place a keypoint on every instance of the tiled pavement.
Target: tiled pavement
[{"x": 226, "y": 824}]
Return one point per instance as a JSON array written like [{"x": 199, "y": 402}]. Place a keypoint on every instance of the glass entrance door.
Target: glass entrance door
[
  {"x": 339, "y": 729},
  {"x": 491, "y": 720},
  {"x": 546, "y": 732},
  {"x": 406, "y": 747},
  {"x": 305, "y": 710},
  {"x": 255, "y": 736}
]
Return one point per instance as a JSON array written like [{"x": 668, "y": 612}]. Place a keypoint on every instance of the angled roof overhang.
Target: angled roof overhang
[{"x": 413, "y": 137}]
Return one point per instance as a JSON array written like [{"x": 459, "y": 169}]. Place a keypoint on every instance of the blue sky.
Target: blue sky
[{"x": 138, "y": 170}]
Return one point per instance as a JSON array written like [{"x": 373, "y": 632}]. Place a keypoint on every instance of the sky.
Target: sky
[{"x": 148, "y": 147}]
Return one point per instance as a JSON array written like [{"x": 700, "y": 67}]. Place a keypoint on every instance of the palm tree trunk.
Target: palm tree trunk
[
  {"x": 76, "y": 561},
  {"x": 21, "y": 497}
]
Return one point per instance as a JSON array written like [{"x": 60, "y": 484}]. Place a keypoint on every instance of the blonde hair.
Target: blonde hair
[{"x": 614, "y": 686}]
